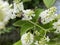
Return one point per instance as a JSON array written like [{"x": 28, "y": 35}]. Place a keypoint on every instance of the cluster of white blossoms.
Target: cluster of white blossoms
[
  {"x": 48, "y": 15},
  {"x": 5, "y": 13},
  {"x": 28, "y": 14},
  {"x": 17, "y": 7},
  {"x": 43, "y": 41},
  {"x": 27, "y": 38},
  {"x": 56, "y": 26}
]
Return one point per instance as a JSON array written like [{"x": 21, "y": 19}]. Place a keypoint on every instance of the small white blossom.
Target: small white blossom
[
  {"x": 36, "y": 43},
  {"x": 13, "y": 16},
  {"x": 56, "y": 26},
  {"x": 18, "y": 7},
  {"x": 28, "y": 14},
  {"x": 48, "y": 15},
  {"x": 47, "y": 39},
  {"x": 27, "y": 39}
]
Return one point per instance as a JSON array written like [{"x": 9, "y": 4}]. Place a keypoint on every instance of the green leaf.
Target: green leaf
[
  {"x": 49, "y": 3},
  {"x": 37, "y": 12},
  {"x": 25, "y": 26},
  {"x": 20, "y": 23},
  {"x": 26, "y": 0},
  {"x": 18, "y": 43}
]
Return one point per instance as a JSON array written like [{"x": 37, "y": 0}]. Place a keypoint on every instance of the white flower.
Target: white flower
[
  {"x": 13, "y": 16},
  {"x": 18, "y": 7},
  {"x": 36, "y": 43},
  {"x": 48, "y": 15},
  {"x": 5, "y": 13},
  {"x": 47, "y": 39},
  {"x": 28, "y": 14},
  {"x": 56, "y": 26},
  {"x": 27, "y": 39}
]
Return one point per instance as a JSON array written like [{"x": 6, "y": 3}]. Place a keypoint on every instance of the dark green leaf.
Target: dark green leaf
[
  {"x": 25, "y": 25},
  {"x": 18, "y": 43},
  {"x": 20, "y": 23}
]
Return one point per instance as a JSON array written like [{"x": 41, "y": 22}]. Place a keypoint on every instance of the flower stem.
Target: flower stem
[{"x": 37, "y": 25}]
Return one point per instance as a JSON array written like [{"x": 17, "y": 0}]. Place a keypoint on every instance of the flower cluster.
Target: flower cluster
[
  {"x": 18, "y": 7},
  {"x": 27, "y": 38},
  {"x": 56, "y": 25},
  {"x": 48, "y": 15},
  {"x": 12, "y": 11},
  {"x": 28, "y": 14},
  {"x": 43, "y": 41},
  {"x": 5, "y": 13}
]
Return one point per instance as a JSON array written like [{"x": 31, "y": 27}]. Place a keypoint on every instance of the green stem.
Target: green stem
[
  {"x": 37, "y": 25},
  {"x": 45, "y": 33}
]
